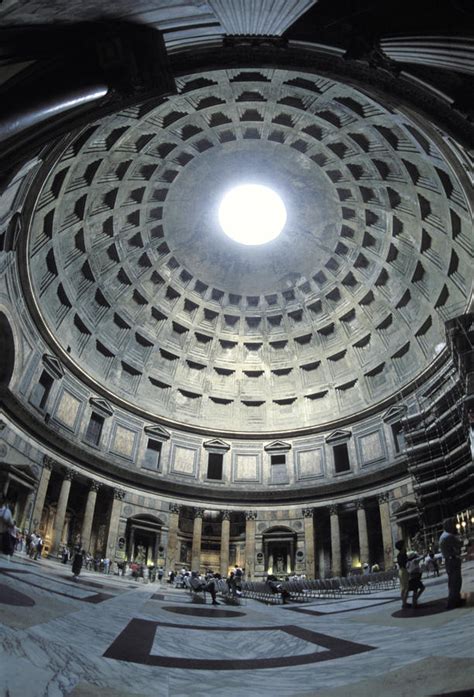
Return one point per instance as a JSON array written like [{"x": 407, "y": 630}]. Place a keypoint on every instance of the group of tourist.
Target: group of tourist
[{"x": 410, "y": 567}]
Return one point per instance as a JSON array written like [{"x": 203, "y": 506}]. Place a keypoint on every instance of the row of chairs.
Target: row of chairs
[
  {"x": 303, "y": 590},
  {"x": 259, "y": 590}
]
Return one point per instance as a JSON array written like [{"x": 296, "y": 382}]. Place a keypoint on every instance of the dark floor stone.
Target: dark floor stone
[
  {"x": 10, "y": 596},
  {"x": 318, "y": 613},
  {"x": 459, "y": 693},
  {"x": 434, "y": 607},
  {"x": 135, "y": 642},
  {"x": 203, "y": 612}
]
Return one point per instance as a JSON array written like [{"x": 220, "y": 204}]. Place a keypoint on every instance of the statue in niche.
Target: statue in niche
[
  {"x": 140, "y": 557},
  {"x": 279, "y": 565}
]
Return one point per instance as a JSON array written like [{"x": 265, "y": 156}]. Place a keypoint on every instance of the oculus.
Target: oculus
[{"x": 252, "y": 214}]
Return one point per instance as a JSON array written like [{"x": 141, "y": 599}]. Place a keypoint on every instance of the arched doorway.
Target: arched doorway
[
  {"x": 279, "y": 549},
  {"x": 144, "y": 540}
]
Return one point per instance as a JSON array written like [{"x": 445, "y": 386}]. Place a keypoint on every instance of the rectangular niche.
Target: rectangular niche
[
  {"x": 246, "y": 467},
  {"x": 123, "y": 441},
  {"x": 309, "y": 463},
  {"x": 67, "y": 410},
  {"x": 371, "y": 447},
  {"x": 183, "y": 460},
  {"x": 279, "y": 469}
]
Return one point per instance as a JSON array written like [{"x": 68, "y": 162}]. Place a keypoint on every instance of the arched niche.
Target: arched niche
[
  {"x": 144, "y": 540},
  {"x": 279, "y": 550}
]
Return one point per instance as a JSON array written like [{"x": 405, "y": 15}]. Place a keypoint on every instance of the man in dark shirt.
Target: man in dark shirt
[
  {"x": 402, "y": 571},
  {"x": 450, "y": 545}
]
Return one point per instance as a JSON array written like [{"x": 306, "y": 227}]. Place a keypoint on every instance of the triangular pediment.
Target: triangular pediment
[
  {"x": 157, "y": 432},
  {"x": 338, "y": 436},
  {"x": 53, "y": 365},
  {"x": 278, "y": 446},
  {"x": 101, "y": 406},
  {"x": 395, "y": 413},
  {"x": 216, "y": 444}
]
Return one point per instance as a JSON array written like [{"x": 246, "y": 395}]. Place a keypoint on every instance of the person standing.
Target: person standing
[
  {"x": 77, "y": 563},
  {"x": 403, "y": 575},
  {"x": 450, "y": 545},
  {"x": 7, "y": 542}
]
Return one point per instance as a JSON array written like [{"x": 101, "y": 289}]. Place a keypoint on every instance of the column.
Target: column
[
  {"x": 363, "y": 536},
  {"x": 250, "y": 526},
  {"x": 386, "y": 530},
  {"x": 172, "y": 556},
  {"x": 112, "y": 534},
  {"x": 35, "y": 518},
  {"x": 61, "y": 511},
  {"x": 24, "y": 522},
  {"x": 335, "y": 541},
  {"x": 309, "y": 541},
  {"x": 225, "y": 540},
  {"x": 197, "y": 534},
  {"x": 89, "y": 515}
]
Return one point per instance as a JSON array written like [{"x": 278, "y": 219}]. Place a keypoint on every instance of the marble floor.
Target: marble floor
[{"x": 114, "y": 637}]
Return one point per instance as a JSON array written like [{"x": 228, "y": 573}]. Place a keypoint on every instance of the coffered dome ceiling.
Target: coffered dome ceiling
[{"x": 140, "y": 289}]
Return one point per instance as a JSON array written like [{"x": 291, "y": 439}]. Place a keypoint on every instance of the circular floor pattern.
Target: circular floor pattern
[
  {"x": 9, "y": 596},
  {"x": 432, "y": 608},
  {"x": 203, "y": 612}
]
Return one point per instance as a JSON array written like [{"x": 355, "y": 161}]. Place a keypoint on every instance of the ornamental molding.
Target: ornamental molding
[
  {"x": 278, "y": 446},
  {"x": 53, "y": 366},
  {"x": 216, "y": 445},
  {"x": 101, "y": 406},
  {"x": 338, "y": 436},
  {"x": 157, "y": 432}
]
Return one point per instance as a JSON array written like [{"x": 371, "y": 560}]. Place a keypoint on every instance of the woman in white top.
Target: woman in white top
[{"x": 7, "y": 542}]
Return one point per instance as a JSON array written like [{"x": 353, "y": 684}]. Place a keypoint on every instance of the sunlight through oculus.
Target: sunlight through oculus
[{"x": 252, "y": 214}]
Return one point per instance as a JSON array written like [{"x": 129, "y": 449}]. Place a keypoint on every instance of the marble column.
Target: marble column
[
  {"x": 24, "y": 522},
  {"x": 309, "y": 541},
  {"x": 172, "y": 556},
  {"x": 225, "y": 540},
  {"x": 387, "y": 542},
  {"x": 89, "y": 516},
  {"x": 336, "y": 567},
  {"x": 112, "y": 533},
  {"x": 61, "y": 512},
  {"x": 41, "y": 492},
  {"x": 250, "y": 528},
  {"x": 197, "y": 535},
  {"x": 363, "y": 535}
]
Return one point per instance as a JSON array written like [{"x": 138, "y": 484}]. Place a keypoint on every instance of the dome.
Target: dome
[{"x": 141, "y": 294}]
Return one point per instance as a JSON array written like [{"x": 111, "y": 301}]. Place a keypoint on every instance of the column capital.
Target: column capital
[
  {"x": 48, "y": 462},
  {"x": 68, "y": 474},
  {"x": 225, "y": 515},
  {"x": 174, "y": 507},
  {"x": 250, "y": 515},
  {"x": 360, "y": 504},
  {"x": 94, "y": 485},
  {"x": 308, "y": 512},
  {"x": 119, "y": 494},
  {"x": 198, "y": 512},
  {"x": 333, "y": 509},
  {"x": 383, "y": 497}
]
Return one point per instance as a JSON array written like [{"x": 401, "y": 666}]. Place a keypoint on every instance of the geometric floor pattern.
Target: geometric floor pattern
[{"x": 106, "y": 636}]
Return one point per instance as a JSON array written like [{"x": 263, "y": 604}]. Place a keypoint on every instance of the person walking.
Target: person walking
[
  {"x": 415, "y": 583},
  {"x": 403, "y": 575},
  {"x": 450, "y": 545}
]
